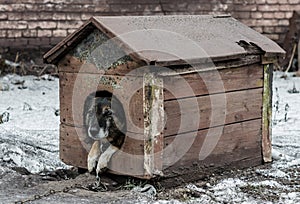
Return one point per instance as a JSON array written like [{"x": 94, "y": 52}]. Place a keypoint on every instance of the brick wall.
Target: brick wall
[{"x": 40, "y": 25}]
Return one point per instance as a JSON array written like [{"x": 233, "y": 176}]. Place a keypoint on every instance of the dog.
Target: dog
[{"x": 106, "y": 126}]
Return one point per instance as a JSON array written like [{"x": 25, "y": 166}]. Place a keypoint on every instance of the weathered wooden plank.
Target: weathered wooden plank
[
  {"x": 237, "y": 143},
  {"x": 75, "y": 145},
  {"x": 216, "y": 81},
  {"x": 298, "y": 49},
  {"x": 153, "y": 124},
  {"x": 72, "y": 150},
  {"x": 267, "y": 114},
  {"x": 197, "y": 171},
  {"x": 239, "y": 106},
  {"x": 75, "y": 88},
  {"x": 72, "y": 64}
]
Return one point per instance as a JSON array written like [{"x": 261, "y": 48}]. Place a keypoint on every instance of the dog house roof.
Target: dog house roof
[{"x": 168, "y": 40}]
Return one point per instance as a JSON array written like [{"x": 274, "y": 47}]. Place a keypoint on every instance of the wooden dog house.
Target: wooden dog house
[{"x": 196, "y": 92}]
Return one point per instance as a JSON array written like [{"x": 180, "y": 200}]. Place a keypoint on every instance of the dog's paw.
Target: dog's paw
[
  {"x": 102, "y": 165},
  {"x": 92, "y": 162}
]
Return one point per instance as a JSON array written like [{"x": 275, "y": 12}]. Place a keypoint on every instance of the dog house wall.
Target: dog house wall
[{"x": 246, "y": 77}]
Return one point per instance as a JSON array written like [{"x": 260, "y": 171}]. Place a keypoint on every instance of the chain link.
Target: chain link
[
  {"x": 48, "y": 193},
  {"x": 98, "y": 186}
]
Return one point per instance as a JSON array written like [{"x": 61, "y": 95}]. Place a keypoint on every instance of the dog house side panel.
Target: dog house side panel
[
  {"x": 74, "y": 89},
  {"x": 194, "y": 155},
  {"x": 215, "y": 98},
  {"x": 229, "y": 129}
]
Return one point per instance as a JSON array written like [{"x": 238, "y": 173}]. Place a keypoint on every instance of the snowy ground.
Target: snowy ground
[
  {"x": 29, "y": 139},
  {"x": 30, "y": 136}
]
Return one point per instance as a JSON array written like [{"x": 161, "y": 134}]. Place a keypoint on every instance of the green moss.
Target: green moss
[{"x": 98, "y": 49}]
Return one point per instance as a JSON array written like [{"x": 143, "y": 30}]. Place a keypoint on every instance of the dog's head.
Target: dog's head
[{"x": 98, "y": 118}]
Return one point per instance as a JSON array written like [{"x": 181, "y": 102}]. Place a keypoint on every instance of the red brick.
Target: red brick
[
  {"x": 18, "y": 7},
  {"x": 272, "y": 1},
  {"x": 15, "y": 16},
  {"x": 283, "y": 22},
  {"x": 73, "y": 16},
  {"x": 269, "y": 30},
  {"x": 260, "y": 1},
  {"x": 30, "y": 16},
  {"x": 279, "y": 15},
  {"x": 3, "y": 16},
  {"x": 13, "y": 24},
  {"x": 272, "y": 36},
  {"x": 286, "y": 8},
  {"x": 244, "y": 2},
  {"x": 288, "y": 14},
  {"x": 59, "y": 16},
  {"x": 256, "y": 15},
  {"x": 294, "y": 1},
  {"x": 14, "y": 33},
  {"x": 3, "y": 34},
  {"x": 268, "y": 15},
  {"x": 6, "y": 7},
  {"x": 29, "y": 33},
  {"x": 44, "y": 33},
  {"x": 268, "y": 7},
  {"x": 42, "y": 24},
  {"x": 59, "y": 33},
  {"x": 69, "y": 24},
  {"x": 51, "y": 16},
  {"x": 266, "y": 22},
  {"x": 283, "y": 2}
]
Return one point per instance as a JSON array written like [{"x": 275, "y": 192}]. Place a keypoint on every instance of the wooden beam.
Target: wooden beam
[
  {"x": 267, "y": 114},
  {"x": 298, "y": 73},
  {"x": 153, "y": 124}
]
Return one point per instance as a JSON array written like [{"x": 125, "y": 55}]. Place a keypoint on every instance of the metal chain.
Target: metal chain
[{"x": 50, "y": 192}]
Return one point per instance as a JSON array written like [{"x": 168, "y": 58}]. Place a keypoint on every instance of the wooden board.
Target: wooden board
[
  {"x": 211, "y": 82},
  {"x": 237, "y": 106},
  {"x": 74, "y": 148},
  {"x": 238, "y": 146},
  {"x": 267, "y": 113},
  {"x": 72, "y": 64},
  {"x": 153, "y": 102}
]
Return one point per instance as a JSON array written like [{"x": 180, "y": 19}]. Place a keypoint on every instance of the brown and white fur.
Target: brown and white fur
[{"x": 106, "y": 127}]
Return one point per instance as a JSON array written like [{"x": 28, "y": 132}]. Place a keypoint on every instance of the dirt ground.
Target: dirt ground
[{"x": 68, "y": 186}]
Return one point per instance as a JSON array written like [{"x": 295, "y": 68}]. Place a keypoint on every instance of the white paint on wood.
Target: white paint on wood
[{"x": 153, "y": 123}]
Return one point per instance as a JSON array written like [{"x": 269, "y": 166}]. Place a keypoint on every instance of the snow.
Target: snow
[{"x": 30, "y": 139}]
